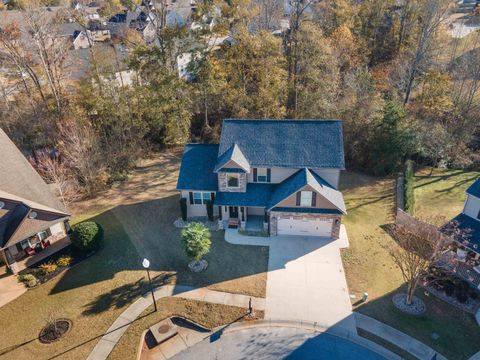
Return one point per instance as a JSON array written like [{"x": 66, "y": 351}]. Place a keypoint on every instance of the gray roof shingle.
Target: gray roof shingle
[
  {"x": 286, "y": 143},
  {"x": 196, "y": 171},
  {"x": 474, "y": 189},
  {"x": 256, "y": 195}
]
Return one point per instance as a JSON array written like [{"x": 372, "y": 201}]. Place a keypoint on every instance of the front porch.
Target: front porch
[
  {"x": 244, "y": 218},
  {"x": 23, "y": 260}
]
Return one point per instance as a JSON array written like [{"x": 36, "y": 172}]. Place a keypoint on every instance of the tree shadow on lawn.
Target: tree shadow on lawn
[
  {"x": 458, "y": 332},
  {"x": 146, "y": 229}
]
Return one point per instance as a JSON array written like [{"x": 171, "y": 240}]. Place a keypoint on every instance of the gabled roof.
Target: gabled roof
[
  {"x": 235, "y": 154},
  {"x": 474, "y": 189},
  {"x": 286, "y": 143},
  {"x": 19, "y": 178},
  {"x": 299, "y": 180},
  {"x": 464, "y": 230},
  {"x": 196, "y": 171}
]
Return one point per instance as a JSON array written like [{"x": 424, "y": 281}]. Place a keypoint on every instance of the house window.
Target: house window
[
  {"x": 233, "y": 181},
  {"x": 200, "y": 198},
  {"x": 42, "y": 235},
  {"x": 261, "y": 175},
  {"x": 306, "y": 198}
]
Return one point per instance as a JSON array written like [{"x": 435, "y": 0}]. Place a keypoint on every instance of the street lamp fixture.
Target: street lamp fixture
[{"x": 146, "y": 265}]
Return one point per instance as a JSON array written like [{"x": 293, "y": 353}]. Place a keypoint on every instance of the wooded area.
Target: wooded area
[{"x": 404, "y": 88}]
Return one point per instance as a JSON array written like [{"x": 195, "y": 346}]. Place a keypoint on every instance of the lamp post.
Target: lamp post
[{"x": 146, "y": 265}]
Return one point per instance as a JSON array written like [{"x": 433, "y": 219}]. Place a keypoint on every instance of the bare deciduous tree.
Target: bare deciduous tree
[{"x": 414, "y": 254}]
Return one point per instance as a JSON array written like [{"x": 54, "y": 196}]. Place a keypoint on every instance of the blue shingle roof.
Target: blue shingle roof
[
  {"x": 465, "y": 230},
  {"x": 474, "y": 189},
  {"x": 286, "y": 143},
  {"x": 196, "y": 171},
  {"x": 301, "y": 179},
  {"x": 256, "y": 195}
]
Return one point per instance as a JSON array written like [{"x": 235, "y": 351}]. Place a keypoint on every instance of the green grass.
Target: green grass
[
  {"x": 370, "y": 269},
  {"x": 95, "y": 292},
  {"x": 386, "y": 344}
]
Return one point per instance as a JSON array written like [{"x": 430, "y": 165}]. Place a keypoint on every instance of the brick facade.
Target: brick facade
[
  {"x": 222, "y": 182},
  {"x": 335, "y": 229}
]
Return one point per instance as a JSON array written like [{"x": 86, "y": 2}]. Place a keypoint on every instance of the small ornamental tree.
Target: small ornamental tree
[
  {"x": 414, "y": 255},
  {"x": 87, "y": 236},
  {"x": 196, "y": 241}
]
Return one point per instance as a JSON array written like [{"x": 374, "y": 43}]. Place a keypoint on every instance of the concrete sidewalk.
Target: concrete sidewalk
[
  {"x": 106, "y": 344},
  {"x": 396, "y": 337}
]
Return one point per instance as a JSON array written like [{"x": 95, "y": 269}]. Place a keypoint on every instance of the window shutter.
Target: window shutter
[
  {"x": 191, "y": 197},
  {"x": 269, "y": 175},
  {"x": 299, "y": 194},
  {"x": 220, "y": 212},
  {"x": 212, "y": 197},
  {"x": 254, "y": 174},
  {"x": 314, "y": 199}
]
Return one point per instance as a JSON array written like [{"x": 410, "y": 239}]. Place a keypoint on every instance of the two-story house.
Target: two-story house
[{"x": 276, "y": 175}]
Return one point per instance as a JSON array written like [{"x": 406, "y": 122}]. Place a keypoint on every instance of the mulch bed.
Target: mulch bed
[
  {"x": 77, "y": 257},
  {"x": 53, "y": 332}
]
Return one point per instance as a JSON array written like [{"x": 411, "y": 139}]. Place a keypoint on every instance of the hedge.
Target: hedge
[
  {"x": 409, "y": 187},
  {"x": 87, "y": 236}
]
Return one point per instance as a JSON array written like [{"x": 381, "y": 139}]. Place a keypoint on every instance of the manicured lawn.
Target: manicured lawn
[
  {"x": 138, "y": 220},
  {"x": 368, "y": 267}
]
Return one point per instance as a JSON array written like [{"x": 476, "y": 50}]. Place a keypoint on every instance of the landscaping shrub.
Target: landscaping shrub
[
  {"x": 409, "y": 187},
  {"x": 28, "y": 279},
  {"x": 449, "y": 288},
  {"x": 64, "y": 260},
  {"x": 48, "y": 268},
  {"x": 196, "y": 240},
  {"x": 183, "y": 208},
  {"x": 87, "y": 236},
  {"x": 209, "y": 206}
]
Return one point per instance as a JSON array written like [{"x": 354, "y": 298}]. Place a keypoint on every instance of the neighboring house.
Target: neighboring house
[
  {"x": 97, "y": 31},
  {"x": 33, "y": 222},
  {"x": 464, "y": 229},
  {"x": 80, "y": 40},
  {"x": 279, "y": 176}
]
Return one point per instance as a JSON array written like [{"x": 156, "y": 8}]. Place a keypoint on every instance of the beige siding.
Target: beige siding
[
  {"x": 321, "y": 203},
  {"x": 195, "y": 210},
  {"x": 279, "y": 174}
]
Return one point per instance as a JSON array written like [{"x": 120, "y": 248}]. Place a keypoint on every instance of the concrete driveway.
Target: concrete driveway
[
  {"x": 10, "y": 288},
  {"x": 305, "y": 280}
]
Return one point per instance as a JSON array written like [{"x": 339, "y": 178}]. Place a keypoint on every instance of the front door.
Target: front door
[{"x": 233, "y": 211}]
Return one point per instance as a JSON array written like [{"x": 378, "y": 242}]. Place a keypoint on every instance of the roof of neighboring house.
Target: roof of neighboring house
[
  {"x": 286, "y": 143},
  {"x": 474, "y": 189},
  {"x": 196, "y": 171},
  {"x": 301, "y": 179},
  {"x": 256, "y": 195},
  {"x": 235, "y": 154},
  {"x": 19, "y": 178},
  {"x": 464, "y": 230}
]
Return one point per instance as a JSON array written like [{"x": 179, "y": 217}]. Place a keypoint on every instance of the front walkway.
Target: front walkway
[
  {"x": 106, "y": 344},
  {"x": 305, "y": 280}
]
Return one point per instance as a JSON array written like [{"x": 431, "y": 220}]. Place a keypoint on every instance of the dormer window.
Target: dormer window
[{"x": 233, "y": 180}]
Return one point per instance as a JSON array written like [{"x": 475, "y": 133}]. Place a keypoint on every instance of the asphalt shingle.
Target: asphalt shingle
[
  {"x": 286, "y": 143},
  {"x": 465, "y": 230},
  {"x": 196, "y": 171},
  {"x": 474, "y": 189}
]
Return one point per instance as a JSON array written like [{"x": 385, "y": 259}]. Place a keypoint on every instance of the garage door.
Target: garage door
[{"x": 305, "y": 226}]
